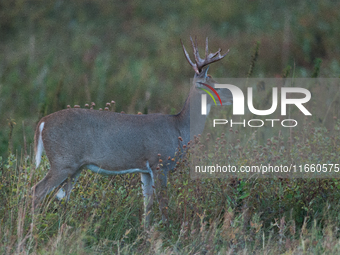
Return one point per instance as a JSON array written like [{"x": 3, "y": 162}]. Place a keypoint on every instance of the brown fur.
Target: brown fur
[{"x": 73, "y": 138}]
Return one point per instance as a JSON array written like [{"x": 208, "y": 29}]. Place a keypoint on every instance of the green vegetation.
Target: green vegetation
[
  {"x": 59, "y": 53},
  {"x": 74, "y": 52},
  {"x": 104, "y": 215}
]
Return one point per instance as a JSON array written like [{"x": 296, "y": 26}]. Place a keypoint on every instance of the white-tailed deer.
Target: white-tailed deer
[{"x": 112, "y": 143}]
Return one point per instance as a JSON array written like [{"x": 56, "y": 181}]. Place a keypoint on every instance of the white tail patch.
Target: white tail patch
[{"x": 40, "y": 146}]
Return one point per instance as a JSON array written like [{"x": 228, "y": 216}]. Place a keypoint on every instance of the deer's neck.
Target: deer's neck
[{"x": 191, "y": 111}]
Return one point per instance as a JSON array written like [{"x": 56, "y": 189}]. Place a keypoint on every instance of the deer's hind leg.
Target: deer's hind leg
[
  {"x": 54, "y": 177},
  {"x": 71, "y": 181},
  {"x": 65, "y": 191}
]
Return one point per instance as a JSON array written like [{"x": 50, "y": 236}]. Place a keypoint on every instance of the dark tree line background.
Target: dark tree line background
[{"x": 55, "y": 53}]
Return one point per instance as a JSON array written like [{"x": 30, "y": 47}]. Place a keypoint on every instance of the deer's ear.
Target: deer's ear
[{"x": 204, "y": 73}]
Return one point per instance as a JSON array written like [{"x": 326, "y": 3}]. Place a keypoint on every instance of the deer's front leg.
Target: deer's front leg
[
  {"x": 148, "y": 193},
  {"x": 162, "y": 194}
]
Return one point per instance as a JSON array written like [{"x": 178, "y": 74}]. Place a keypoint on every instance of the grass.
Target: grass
[
  {"x": 75, "y": 53},
  {"x": 71, "y": 53},
  {"x": 207, "y": 216}
]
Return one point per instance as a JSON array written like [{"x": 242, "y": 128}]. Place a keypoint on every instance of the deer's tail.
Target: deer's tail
[{"x": 38, "y": 144}]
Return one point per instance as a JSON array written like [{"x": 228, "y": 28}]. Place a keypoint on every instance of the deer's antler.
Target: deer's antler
[{"x": 209, "y": 58}]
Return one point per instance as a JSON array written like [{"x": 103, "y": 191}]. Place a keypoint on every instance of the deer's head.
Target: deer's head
[{"x": 202, "y": 80}]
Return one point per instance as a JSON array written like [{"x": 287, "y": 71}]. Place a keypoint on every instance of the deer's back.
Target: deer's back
[{"x": 108, "y": 139}]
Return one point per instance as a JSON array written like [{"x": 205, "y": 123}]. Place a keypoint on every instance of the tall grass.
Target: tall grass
[
  {"x": 77, "y": 52},
  {"x": 105, "y": 214}
]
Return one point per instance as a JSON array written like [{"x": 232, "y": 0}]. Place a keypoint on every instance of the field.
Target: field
[{"x": 71, "y": 53}]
